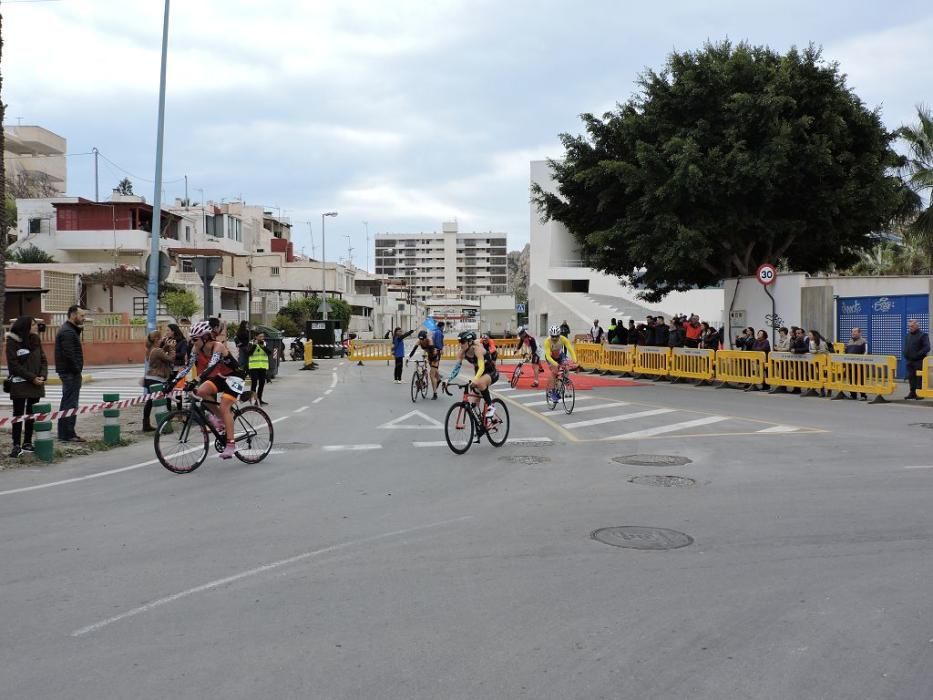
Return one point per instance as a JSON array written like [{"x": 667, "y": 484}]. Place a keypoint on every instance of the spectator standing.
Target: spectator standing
[
  {"x": 693, "y": 331},
  {"x": 662, "y": 332},
  {"x": 565, "y": 329},
  {"x": 745, "y": 341},
  {"x": 916, "y": 347},
  {"x": 69, "y": 364},
  {"x": 29, "y": 368},
  {"x": 761, "y": 343},
  {"x": 398, "y": 351},
  {"x": 438, "y": 337},
  {"x": 782, "y": 343},
  {"x": 596, "y": 332},
  {"x": 676, "y": 337},
  {"x": 818, "y": 346},
  {"x": 182, "y": 352},
  {"x": 258, "y": 358},
  {"x": 709, "y": 338},
  {"x": 242, "y": 343},
  {"x": 649, "y": 331},
  {"x": 798, "y": 343},
  {"x": 857, "y": 346},
  {"x": 160, "y": 367},
  {"x": 611, "y": 332}
]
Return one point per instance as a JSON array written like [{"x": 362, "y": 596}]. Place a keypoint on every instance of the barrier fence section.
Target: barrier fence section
[
  {"x": 507, "y": 348},
  {"x": 369, "y": 351},
  {"x": 786, "y": 369},
  {"x": 865, "y": 374},
  {"x": 589, "y": 355},
  {"x": 618, "y": 358},
  {"x": 693, "y": 363},
  {"x": 926, "y": 379},
  {"x": 741, "y": 366},
  {"x": 653, "y": 361}
]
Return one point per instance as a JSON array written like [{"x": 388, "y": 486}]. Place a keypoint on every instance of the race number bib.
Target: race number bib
[{"x": 235, "y": 385}]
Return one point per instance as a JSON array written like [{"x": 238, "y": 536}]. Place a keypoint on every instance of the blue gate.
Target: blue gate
[{"x": 883, "y": 321}]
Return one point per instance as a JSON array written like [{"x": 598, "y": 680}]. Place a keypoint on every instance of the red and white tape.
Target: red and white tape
[{"x": 91, "y": 408}]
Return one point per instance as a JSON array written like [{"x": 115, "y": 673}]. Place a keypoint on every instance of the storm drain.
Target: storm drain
[
  {"x": 652, "y": 460},
  {"x": 667, "y": 481},
  {"x": 524, "y": 459},
  {"x": 638, "y": 537}
]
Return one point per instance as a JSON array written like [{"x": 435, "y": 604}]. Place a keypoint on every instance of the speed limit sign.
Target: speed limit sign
[{"x": 766, "y": 274}]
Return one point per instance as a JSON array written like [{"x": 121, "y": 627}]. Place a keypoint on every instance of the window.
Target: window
[
  {"x": 35, "y": 225},
  {"x": 187, "y": 265},
  {"x": 274, "y": 271},
  {"x": 188, "y": 233},
  {"x": 141, "y": 307}
]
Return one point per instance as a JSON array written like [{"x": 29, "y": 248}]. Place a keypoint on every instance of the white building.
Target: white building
[
  {"x": 37, "y": 153},
  {"x": 436, "y": 264},
  {"x": 561, "y": 286}
]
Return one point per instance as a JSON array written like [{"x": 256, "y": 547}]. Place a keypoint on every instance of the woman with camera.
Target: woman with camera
[
  {"x": 29, "y": 369},
  {"x": 159, "y": 369}
]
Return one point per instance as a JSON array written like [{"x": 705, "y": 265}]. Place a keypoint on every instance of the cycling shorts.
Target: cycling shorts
[{"x": 230, "y": 385}]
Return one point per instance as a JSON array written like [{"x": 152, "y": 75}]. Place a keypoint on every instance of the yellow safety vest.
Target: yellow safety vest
[{"x": 259, "y": 359}]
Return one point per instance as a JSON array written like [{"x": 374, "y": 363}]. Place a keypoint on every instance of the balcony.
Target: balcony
[{"x": 105, "y": 242}]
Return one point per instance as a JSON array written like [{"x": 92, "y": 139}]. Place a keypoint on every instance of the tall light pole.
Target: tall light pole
[
  {"x": 366, "y": 224},
  {"x": 153, "y": 296},
  {"x": 324, "y": 307}
]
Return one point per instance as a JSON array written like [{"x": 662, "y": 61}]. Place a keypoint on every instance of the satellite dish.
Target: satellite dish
[{"x": 165, "y": 265}]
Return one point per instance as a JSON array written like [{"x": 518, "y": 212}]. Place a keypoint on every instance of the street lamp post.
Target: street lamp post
[{"x": 324, "y": 307}]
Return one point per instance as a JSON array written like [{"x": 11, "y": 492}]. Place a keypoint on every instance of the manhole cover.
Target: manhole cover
[
  {"x": 524, "y": 459},
  {"x": 669, "y": 481},
  {"x": 652, "y": 460},
  {"x": 922, "y": 425},
  {"x": 637, "y": 537}
]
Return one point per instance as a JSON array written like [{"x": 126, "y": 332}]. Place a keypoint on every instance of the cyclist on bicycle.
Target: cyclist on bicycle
[
  {"x": 529, "y": 349},
  {"x": 557, "y": 350},
  {"x": 490, "y": 346},
  {"x": 218, "y": 373},
  {"x": 433, "y": 354},
  {"x": 475, "y": 353}
]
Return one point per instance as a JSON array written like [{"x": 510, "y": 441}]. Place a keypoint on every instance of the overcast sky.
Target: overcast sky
[{"x": 402, "y": 114}]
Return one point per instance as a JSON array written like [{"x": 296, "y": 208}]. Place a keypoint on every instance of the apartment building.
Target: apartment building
[
  {"x": 36, "y": 154},
  {"x": 437, "y": 264}
]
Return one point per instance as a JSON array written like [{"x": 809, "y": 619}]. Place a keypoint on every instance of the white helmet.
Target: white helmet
[
  {"x": 199, "y": 330},
  {"x": 554, "y": 331}
]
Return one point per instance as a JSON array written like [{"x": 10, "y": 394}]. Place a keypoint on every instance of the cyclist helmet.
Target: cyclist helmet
[
  {"x": 522, "y": 331},
  {"x": 422, "y": 335},
  {"x": 199, "y": 330},
  {"x": 467, "y": 337},
  {"x": 554, "y": 331},
  {"x": 485, "y": 335}
]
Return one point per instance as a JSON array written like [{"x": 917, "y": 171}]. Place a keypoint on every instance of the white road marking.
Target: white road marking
[
  {"x": 302, "y": 409},
  {"x": 504, "y": 388},
  {"x": 328, "y": 392},
  {"x": 344, "y": 448},
  {"x": 96, "y": 475},
  {"x": 927, "y": 466},
  {"x": 591, "y": 408},
  {"x": 510, "y": 441},
  {"x": 613, "y": 419},
  {"x": 527, "y": 394},
  {"x": 396, "y": 424},
  {"x": 433, "y": 443},
  {"x": 660, "y": 430},
  {"x": 318, "y": 399},
  {"x": 333, "y": 379},
  {"x": 258, "y": 570},
  {"x": 780, "y": 429},
  {"x": 544, "y": 403}
]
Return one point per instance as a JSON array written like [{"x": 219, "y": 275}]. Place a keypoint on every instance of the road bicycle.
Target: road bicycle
[
  {"x": 182, "y": 438},
  {"x": 566, "y": 393},
  {"x": 517, "y": 372},
  {"x": 419, "y": 381},
  {"x": 466, "y": 420}
]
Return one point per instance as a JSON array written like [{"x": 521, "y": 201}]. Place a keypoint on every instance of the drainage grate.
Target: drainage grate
[
  {"x": 652, "y": 460},
  {"x": 669, "y": 481},
  {"x": 524, "y": 459},
  {"x": 638, "y": 537}
]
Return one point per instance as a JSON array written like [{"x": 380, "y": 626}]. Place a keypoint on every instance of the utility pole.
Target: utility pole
[
  {"x": 366, "y": 224},
  {"x": 349, "y": 249},
  {"x": 324, "y": 307},
  {"x": 187, "y": 203},
  {"x": 157, "y": 196},
  {"x": 96, "y": 179}
]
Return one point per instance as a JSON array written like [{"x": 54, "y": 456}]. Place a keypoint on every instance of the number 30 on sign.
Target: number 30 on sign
[{"x": 766, "y": 274}]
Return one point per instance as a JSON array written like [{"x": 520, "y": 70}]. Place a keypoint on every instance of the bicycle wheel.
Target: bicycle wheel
[
  {"x": 568, "y": 395},
  {"x": 551, "y": 403},
  {"x": 516, "y": 375},
  {"x": 415, "y": 389},
  {"x": 181, "y": 442},
  {"x": 253, "y": 433},
  {"x": 424, "y": 385},
  {"x": 459, "y": 428},
  {"x": 497, "y": 429}
]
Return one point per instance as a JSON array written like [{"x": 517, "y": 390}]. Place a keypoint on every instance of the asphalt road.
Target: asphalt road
[{"x": 361, "y": 561}]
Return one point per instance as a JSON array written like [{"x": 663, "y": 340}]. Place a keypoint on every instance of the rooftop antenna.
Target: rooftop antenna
[{"x": 349, "y": 249}]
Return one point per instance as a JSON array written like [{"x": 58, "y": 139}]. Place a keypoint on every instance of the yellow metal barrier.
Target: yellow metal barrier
[
  {"x": 451, "y": 348},
  {"x": 507, "y": 348},
  {"x": 839, "y": 347},
  {"x": 618, "y": 358},
  {"x": 862, "y": 374},
  {"x": 692, "y": 363},
  {"x": 652, "y": 360},
  {"x": 589, "y": 355},
  {"x": 370, "y": 351},
  {"x": 309, "y": 353},
  {"x": 926, "y": 379},
  {"x": 786, "y": 369},
  {"x": 741, "y": 366}
]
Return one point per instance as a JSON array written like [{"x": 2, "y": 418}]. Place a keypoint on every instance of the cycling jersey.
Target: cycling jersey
[
  {"x": 557, "y": 352},
  {"x": 532, "y": 345},
  {"x": 433, "y": 352}
]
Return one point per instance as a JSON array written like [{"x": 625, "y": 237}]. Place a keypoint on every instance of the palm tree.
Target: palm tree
[{"x": 918, "y": 172}]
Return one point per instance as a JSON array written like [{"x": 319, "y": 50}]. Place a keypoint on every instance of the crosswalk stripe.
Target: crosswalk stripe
[
  {"x": 341, "y": 448},
  {"x": 661, "y": 429},
  {"x": 613, "y": 419},
  {"x": 544, "y": 403},
  {"x": 780, "y": 429},
  {"x": 526, "y": 394},
  {"x": 510, "y": 441},
  {"x": 600, "y": 407}
]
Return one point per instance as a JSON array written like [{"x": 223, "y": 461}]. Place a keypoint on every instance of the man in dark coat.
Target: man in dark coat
[
  {"x": 69, "y": 363},
  {"x": 916, "y": 347},
  {"x": 662, "y": 333}
]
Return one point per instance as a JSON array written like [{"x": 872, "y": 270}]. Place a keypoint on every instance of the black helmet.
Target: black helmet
[
  {"x": 467, "y": 337},
  {"x": 422, "y": 335}
]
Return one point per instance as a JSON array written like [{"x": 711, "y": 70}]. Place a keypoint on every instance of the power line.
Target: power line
[
  {"x": 14, "y": 156},
  {"x": 137, "y": 177}
]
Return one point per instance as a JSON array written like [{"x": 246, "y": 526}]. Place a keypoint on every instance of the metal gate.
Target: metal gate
[{"x": 883, "y": 321}]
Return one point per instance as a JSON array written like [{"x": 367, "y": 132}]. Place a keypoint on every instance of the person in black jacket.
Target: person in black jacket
[
  {"x": 662, "y": 332},
  {"x": 676, "y": 337},
  {"x": 916, "y": 347},
  {"x": 69, "y": 363},
  {"x": 29, "y": 368}
]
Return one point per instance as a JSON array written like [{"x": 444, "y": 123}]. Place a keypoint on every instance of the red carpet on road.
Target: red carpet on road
[{"x": 581, "y": 381}]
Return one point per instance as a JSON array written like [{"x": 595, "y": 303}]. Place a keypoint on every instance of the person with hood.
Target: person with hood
[
  {"x": 29, "y": 368},
  {"x": 398, "y": 351}
]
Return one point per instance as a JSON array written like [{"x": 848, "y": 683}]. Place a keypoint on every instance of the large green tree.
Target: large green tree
[
  {"x": 729, "y": 157},
  {"x": 918, "y": 170}
]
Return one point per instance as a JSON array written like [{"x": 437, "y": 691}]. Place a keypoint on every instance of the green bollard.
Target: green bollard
[
  {"x": 160, "y": 410},
  {"x": 42, "y": 439},
  {"x": 111, "y": 421}
]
